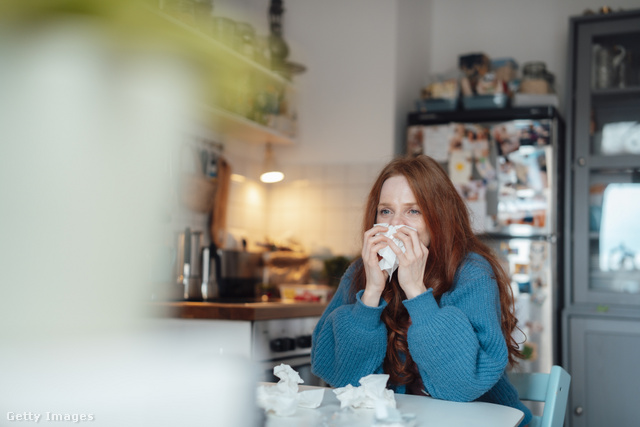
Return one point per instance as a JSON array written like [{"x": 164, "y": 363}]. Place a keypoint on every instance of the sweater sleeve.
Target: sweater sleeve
[
  {"x": 350, "y": 340},
  {"x": 458, "y": 344}
]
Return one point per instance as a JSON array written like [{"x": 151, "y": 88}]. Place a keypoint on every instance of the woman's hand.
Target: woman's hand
[
  {"x": 376, "y": 278},
  {"x": 412, "y": 262}
]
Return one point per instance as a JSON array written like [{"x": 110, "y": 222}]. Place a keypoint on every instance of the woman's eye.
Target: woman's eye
[
  {"x": 384, "y": 211},
  {"x": 414, "y": 212}
]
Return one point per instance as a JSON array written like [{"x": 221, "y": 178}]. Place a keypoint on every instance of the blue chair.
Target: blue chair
[{"x": 551, "y": 388}]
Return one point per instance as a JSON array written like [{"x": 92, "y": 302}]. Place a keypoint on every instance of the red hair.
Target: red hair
[{"x": 452, "y": 239}]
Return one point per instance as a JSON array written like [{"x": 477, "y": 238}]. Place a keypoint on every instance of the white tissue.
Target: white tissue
[
  {"x": 389, "y": 261},
  {"x": 311, "y": 398},
  {"x": 283, "y": 398},
  {"x": 371, "y": 393}
]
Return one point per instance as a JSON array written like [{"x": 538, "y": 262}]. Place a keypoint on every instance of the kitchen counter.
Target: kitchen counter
[{"x": 237, "y": 311}]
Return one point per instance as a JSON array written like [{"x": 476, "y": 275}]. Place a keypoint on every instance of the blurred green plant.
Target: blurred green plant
[{"x": 334, "y": 268}]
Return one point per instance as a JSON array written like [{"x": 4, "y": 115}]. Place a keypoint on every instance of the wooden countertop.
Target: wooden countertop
[{"x": 237, "y": 311}]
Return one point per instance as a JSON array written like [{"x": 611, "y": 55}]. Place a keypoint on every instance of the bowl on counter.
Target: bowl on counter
[{"x": 305, "y": 293}]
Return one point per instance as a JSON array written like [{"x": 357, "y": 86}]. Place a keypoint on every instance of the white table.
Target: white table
[{"x": 429, "y": 412}]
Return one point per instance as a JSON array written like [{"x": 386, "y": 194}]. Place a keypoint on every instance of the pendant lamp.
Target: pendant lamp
[{"x": 270, "y": 172}]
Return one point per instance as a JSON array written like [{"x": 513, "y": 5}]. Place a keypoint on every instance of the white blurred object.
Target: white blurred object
[
  {"x": 621, "y": 137},
  {"x": 87, "y": 124},
  {"x": 371, "y": 392},
  {"x": 389, "y": 261},
  {"x": 619, "y": 229},
  {"x": 142, "y": 379}
]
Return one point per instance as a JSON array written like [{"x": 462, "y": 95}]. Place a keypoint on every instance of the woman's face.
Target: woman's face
[{"x": 398, "y": 206}]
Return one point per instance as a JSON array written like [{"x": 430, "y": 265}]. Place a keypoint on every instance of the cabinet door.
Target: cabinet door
[
  {"x": 606, "y": 163},
  {"x": 604, "y": 366}
]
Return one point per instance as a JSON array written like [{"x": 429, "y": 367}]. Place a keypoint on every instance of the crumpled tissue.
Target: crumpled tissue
[
  {"x": 389, "y": 261},
  {"x": 372, "y": 392},
  {"x": 283, "y": 398}
]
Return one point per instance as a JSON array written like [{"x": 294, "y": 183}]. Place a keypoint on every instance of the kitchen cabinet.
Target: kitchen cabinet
[
  {"x": 266, "y": 333},
  {"x": 601, "y": 319},
  {"x": 604, "y": 370},
  {"x": 243, "y": 99}
]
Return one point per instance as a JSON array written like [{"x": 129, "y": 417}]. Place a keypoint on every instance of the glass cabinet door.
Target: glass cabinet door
[{"x": 606, "y": 198}]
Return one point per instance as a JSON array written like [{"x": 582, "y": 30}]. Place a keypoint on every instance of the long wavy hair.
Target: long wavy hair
[{"x": 447, "y": 221}]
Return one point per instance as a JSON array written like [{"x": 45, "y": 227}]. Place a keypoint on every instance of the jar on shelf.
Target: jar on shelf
[
  {"x": 535, "y": 78},
  {"x": 247, "y": 39}
]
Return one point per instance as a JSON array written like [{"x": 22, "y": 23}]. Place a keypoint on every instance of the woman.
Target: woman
[{"x": 441, "y": 325}]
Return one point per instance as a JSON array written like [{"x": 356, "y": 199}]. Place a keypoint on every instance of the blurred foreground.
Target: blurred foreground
[{"x": 93, "y": 99}]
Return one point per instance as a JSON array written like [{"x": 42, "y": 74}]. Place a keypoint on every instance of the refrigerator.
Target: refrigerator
[{"x": 504, "y": 163}]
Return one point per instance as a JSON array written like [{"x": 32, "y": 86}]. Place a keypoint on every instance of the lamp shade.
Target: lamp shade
[{"x": 270, "y": 172}]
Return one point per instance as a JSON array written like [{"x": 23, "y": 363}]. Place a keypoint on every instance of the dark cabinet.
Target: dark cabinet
[
  {"x": 604, "y": 369},
  {"x": 601, "y": 318}
]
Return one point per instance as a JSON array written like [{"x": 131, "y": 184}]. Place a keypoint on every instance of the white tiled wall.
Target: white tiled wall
[
  {"x": 247, "y": 210},
  {"x": 321, "y": 206}
]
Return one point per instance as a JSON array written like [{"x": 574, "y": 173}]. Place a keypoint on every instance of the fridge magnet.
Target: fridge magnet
[
  {"x": 538, "y": 255},
  {"x": 477, "y": 139},
  {"x": 436, "y": 140},
  {"x": 531, "y": 169},
  {"x": 524, "y": 287},
  {"x": 509, "y": 136},
  {"x": 485, "y": 169},
  {"x": 473, "y": 193},
  {"x": 507, "y": 178},
  {"x": 507, "y": 249},
  {"x": 521, "y": 269},
  {"x": 531, "y": 132},
  {"x": 506, "y": 137},
  {"x": 460, "y": 167},
  {"x": 457, "y": 137}
]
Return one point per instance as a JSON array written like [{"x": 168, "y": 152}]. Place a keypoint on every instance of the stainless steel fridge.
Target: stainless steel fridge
[{"x": 504, "y": 164}]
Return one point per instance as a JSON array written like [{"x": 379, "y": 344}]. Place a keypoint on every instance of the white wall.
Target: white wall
[
  {"x": 412, "y": 61},
  {"x": 346, "y": 105}
]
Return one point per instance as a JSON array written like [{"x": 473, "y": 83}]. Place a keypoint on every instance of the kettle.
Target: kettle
[
  {"x": 210, "y": 273},
  {"x": 188, "y": 264}
]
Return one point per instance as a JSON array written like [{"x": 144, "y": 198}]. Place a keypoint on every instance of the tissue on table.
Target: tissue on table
[
  {"x": 389, "y": 261},
  {"x": 391, "y": 417},
  {"x": 283, "y": 398},
  {"x": 371, "y": 392}
]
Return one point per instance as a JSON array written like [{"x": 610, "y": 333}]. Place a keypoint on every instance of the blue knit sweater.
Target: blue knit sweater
[{"x": 457, "y": 342}]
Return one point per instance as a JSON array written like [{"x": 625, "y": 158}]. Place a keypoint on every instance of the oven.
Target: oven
[{"x": 287, "y": 341}]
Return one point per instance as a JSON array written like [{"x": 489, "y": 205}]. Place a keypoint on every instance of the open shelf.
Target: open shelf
[
  {"x": 225, "y": 61},
  {"x": 222, "y": 51},
  {"x": 239, "y": 127}
]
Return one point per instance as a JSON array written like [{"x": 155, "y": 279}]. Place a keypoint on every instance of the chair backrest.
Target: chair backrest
[{"x": 551, "y": 388}]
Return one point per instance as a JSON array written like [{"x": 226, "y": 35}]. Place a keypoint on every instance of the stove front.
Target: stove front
[{"x": 285, "y": 341}]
